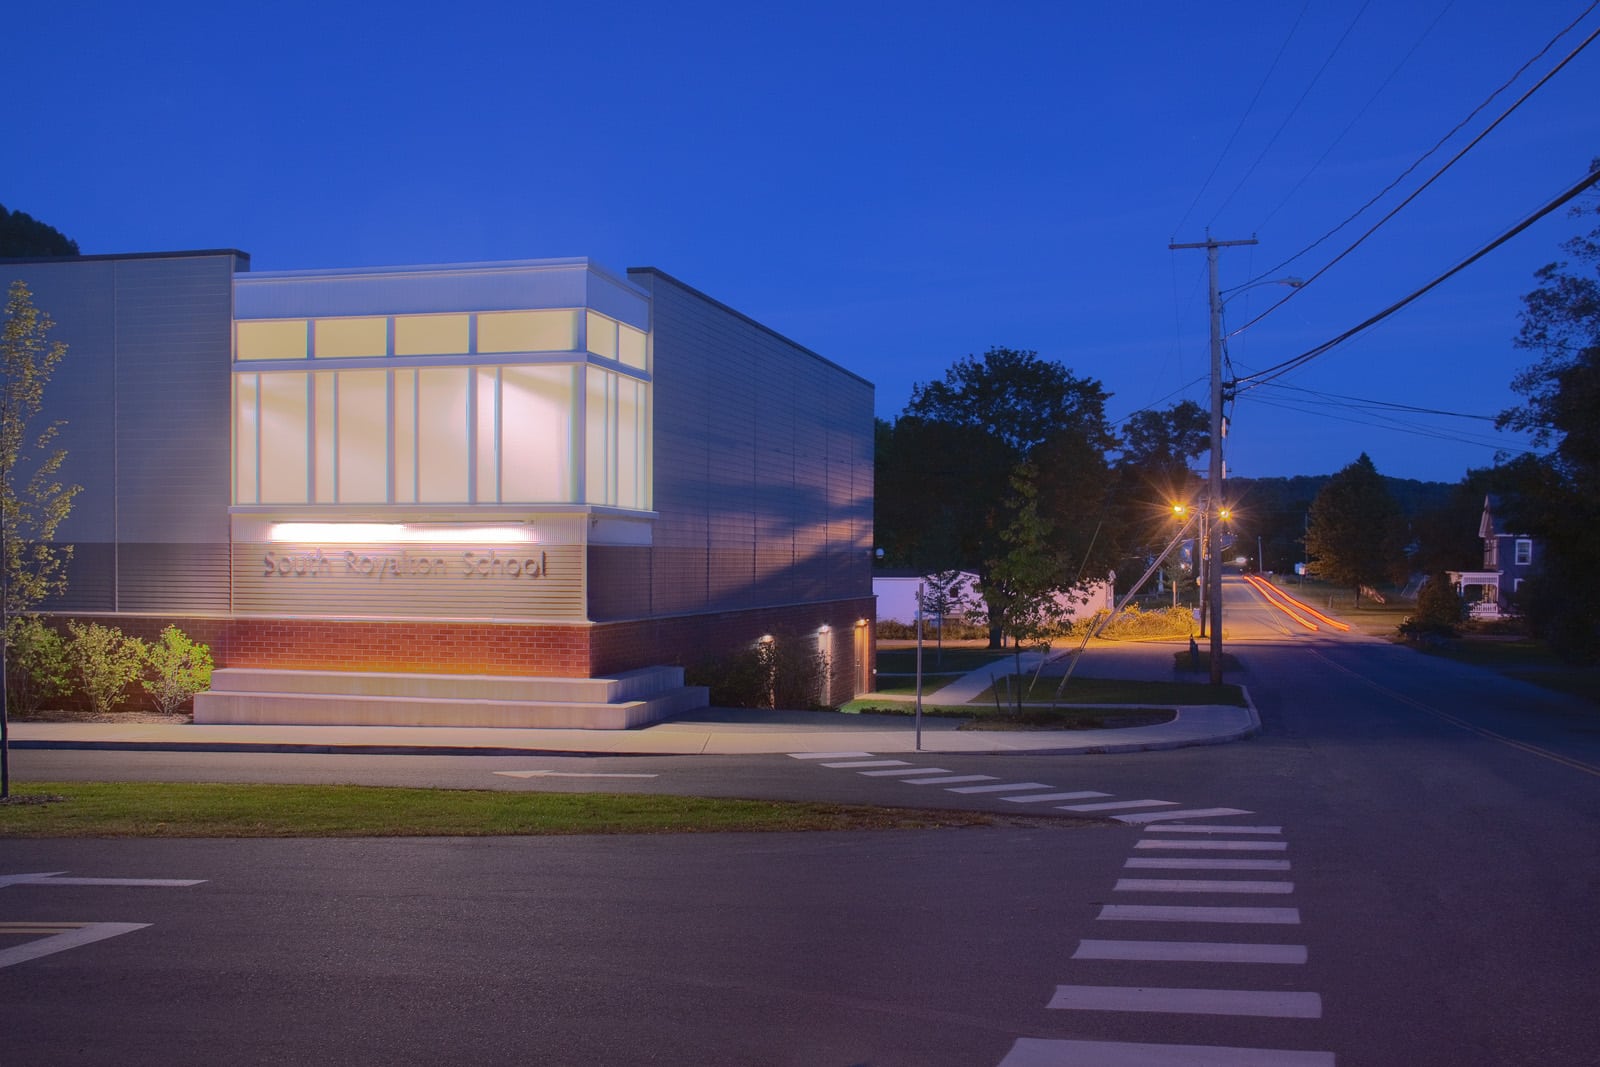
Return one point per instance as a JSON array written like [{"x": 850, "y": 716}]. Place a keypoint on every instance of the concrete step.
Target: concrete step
[
  {"x": 343, "y": 698},
  {"x": 641, "y": 684}
]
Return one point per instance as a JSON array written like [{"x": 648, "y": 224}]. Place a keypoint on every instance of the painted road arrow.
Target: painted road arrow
[
  {"x": 54, "y": 878},
  {"x": 56, "y": 937}
]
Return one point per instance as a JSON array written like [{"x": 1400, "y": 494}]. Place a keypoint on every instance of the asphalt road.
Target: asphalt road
[{"x": 1425, "y": 832}]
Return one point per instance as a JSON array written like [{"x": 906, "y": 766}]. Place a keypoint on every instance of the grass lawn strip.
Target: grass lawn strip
[
  {"x": 160, "y": 809},
  {"x": 1108, "y": 691}
]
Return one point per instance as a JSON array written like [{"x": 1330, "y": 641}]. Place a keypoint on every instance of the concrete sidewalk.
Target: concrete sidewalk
[{"x": 712, "y": 731}]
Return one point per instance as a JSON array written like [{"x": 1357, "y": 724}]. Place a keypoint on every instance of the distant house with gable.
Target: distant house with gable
[{"x": 1509, "y": 559}]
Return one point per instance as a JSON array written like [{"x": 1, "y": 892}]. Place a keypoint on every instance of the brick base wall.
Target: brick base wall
[
  {"x": 687, "y": 640},
  {"x": 562, "y": 651}
]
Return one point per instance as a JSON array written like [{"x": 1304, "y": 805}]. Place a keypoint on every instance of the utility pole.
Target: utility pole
[{"x": 1214, "y": 482}]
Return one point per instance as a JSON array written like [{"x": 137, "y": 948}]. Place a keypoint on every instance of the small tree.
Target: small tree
[
  {"x": 946, "y": 593},
  {"x": 179, "y": 668},
  {"x": 33, "y": 500},
  {"x": 106, "y": 661},
  {"x": 1024, "y": 593}
]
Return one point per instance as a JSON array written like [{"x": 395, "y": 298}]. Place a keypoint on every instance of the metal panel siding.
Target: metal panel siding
[
  {"x": 763, "y": 454},
  {"x": 173, "y": 416},
  {"x": 169, "y": 578},
  {"x": 80, "y": 298},
  {"x": 143, "y": 394}
]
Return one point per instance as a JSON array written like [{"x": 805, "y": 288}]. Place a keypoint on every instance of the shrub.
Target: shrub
[
  {"x": 178, "y": 669},
  {"x": 1132, "y": 624},
  {"x": 1440, "y": 610},
  {"x": 106, "y": 662},
  {"x": 785, "y": 672},
  {"x": 36, "y": 663},
  {"x": 954, "y": 630}
]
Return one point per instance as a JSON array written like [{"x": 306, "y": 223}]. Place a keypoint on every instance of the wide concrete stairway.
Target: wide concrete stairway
[{"x": 245, "y": 695}]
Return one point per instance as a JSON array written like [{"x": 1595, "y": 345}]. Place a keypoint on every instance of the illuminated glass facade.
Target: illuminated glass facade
[{"x": 536, "y": 407}]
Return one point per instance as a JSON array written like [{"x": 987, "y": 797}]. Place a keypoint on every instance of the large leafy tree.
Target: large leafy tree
[
  {"x": 946, "y": 495},
  {"x": 1158, "y": 445},
  {"x": 1561, "y": 324},
  {"x": 1355, "y": 535},
  {"x": 1016, "y": 398}
]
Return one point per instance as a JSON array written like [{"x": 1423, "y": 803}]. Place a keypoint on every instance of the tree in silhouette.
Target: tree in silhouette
[
  {"x": 1355, "y": 536},
  {"x": 23, "y": 236}
]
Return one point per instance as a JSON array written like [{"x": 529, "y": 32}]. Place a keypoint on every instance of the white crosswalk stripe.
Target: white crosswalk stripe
[
  {"x": 1273, "y": 1004},
  {"x": 1200, "y": 885},
  {"x": 949, "y": 779},
  {"x": 1196, "y": 828},
  {"x": 826, "y": 755},
  {"x": 1189, "y": 952},
  {"x": 1186, "y": 813},
  {"x": 1041, "y": 798},
  {"x": 1116, "y": 804},
  {"x": 1182, "y": 913},
  {"x": 1003, "y": 787},
  {"x": 1202, "y": 863},
  {"x": 868, "y": 763},
  {"x": 1046, "y": 1052},
  {"x": 907, "y": 770},
  {"x": 1216, "y": 846}
]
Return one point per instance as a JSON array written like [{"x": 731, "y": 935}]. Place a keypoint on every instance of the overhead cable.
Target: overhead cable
[
  {"x": 1356, "y": 401},
  {"x": 1432, "y": 178},
  {"x": 1293, "y": 111},
  {"x": 1359, "y": 115},
  {"x": 1277, "y": 370},
  {"x": 1248, "y": 109}
]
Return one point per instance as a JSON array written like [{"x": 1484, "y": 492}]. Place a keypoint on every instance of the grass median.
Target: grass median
[{"x": 159, "y": 809}]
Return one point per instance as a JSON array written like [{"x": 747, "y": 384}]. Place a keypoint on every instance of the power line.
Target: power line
[
  {"x": 1359, "y": 115},
  {"x": 1277, "y": 370},
  {"x": 1293, "y": 111},
  {"x": 1419, "y": 190},
  {"x": 1398, "y": 426},
  {"x": 1152, "y": 405},
  {"x": 1247, "y": 111},
  {"x": 1356, "y": 401}
]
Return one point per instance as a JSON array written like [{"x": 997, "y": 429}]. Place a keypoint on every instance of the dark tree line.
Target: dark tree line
[{"x": 23, "y": 236}]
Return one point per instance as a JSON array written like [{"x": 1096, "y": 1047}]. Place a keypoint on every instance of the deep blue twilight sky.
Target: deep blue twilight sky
[{"x": 893, "y": 185}]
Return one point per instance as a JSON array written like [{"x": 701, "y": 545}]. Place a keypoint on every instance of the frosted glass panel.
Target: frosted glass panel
[
  {"x": 602, "y": 335},
  {"x": 405, "y": 437},
  {"x": 630, "y": 412},
  {"x": 598, "y": 488},
  {"x": 324, "y": 442},
  {"x": 283, "y": 438},
  {"x": 430, "y": 335},
  {"x": 339, "y": 338},
  {"x": 363, "y": 437},
  {"x": 488, "y": 482},
  {"x": 442, "y": 435},
  {"x": 536, "y": 428},
  {"x": 527, "y": 331},
  {"x": 272, "y": 339},
  {"x": 630, "y": 346},
  {"x": 244, "y": 439}
]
